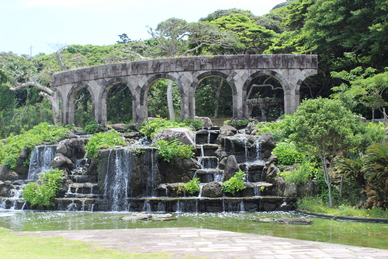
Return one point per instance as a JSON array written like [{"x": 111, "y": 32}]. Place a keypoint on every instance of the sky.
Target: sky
[{"x": 43, "y": 26}]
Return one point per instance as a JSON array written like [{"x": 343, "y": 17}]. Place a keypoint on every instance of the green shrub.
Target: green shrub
[
  {"x": 170, "y": 149},
  {"x": 305, "y": 171},
  {"x": 27, "y": 141},
  {"x": 235, "y": 183},
  {"x": 287, "y": 153},
  {"x": 103, "y": 140},
  {"x": 192, "y": 186},
  {"x": 92, "y": 127},
  {"x": 42, "y": 194},
  {"x": 197, "y": 124},
  {"x": 149, "y": 128},
  {"x": 237, "y": 123},
  {"x": 279, "y": 130}
]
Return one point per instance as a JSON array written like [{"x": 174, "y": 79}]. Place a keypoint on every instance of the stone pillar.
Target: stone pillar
[
  {"x": 187, "y": 92},
  {"x": 239, "y": 78}
]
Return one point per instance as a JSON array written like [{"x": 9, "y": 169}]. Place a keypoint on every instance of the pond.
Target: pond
[{"x": 324, "y": 230}]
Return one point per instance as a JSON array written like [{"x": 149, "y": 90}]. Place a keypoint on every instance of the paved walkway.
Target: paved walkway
[{"x": 211, "y": 244}]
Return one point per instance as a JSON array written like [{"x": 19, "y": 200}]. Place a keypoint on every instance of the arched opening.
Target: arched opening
[
  {"x": 265, "y": 98},
  {"x": 214, "y": 99},
  {"x": 83, "y": 110},
  {"x": 157, "y": 99},
  {"x": 119, "y": 104}
]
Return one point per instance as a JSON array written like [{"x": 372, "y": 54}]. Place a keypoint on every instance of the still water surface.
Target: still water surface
[{"x": 325, "y": 230}]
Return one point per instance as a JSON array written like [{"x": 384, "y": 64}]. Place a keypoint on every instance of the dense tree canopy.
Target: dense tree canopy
[{"x": 345, "y": 35}]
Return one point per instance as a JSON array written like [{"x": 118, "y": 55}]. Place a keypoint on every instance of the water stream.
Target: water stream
[{"x": 332, "y": 231}]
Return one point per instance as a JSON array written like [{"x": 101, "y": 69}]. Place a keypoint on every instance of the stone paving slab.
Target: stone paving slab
[{"x": 211, "y": 244}]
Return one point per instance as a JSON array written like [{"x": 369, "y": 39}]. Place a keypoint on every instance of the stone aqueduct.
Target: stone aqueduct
[{"x": 238, "y": 70}]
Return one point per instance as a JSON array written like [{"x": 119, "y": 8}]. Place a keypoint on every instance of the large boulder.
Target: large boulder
[
  {"x": 178, "y": 170},
  {"x": 184, "y": 135},
  {"x": 206, "y": 121},
  {"x": 231, "y": 167},
  {"x": 6, "y": 174},
  {"x": 62, "y": 161},
  {"x": 227, "y": 130},
  {"x": 212, "y": 190}
]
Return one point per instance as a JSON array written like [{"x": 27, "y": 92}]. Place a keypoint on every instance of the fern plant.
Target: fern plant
[
  {"x": 235, "y": 183},
  {"x": 42, "y": 194}
]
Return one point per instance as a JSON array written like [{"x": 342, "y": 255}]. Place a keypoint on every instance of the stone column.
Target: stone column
[{"x": 239, "y": 78}]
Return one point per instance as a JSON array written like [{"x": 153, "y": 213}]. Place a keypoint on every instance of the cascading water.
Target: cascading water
[
  {"x": 40, "y": 161},
  {"x": 116, "y": 179}
]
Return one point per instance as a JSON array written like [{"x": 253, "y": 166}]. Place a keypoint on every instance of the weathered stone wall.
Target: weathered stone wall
[{"x": 238, "y": 70}]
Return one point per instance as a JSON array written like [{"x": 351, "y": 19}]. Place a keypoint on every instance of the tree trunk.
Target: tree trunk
[
  {"x": 327, "y": 179},
  {"x": 170, "y": 103},
  {"x": 54, "y": 106},
  {"x": 217, "y": 100}
]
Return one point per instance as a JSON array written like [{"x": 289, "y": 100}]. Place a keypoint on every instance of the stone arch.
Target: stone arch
[
  {"x": 152, "y": 79},
  {"x": 70, "y": 113},
  {"x": 275, "y": 74},
  {"x": 106, "y": 85},
  {"x": 226, "y": 77}
]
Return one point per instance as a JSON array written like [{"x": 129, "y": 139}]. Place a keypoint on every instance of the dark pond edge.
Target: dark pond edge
[{"x": 350, "y": 218}]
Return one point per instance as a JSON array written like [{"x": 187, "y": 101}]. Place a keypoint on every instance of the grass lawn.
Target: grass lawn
[{"x": 14, "y": 245}]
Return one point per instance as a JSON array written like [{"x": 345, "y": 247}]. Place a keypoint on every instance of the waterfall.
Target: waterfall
[
  {"x": 40, "y": 161},
  {"x": 119, "y": 172},
  {"x": 149, "y": 170}
]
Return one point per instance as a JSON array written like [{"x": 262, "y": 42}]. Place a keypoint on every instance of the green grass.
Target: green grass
[
  {"x": 315, "y": 205},
  {"x": 16, "y": 245}
]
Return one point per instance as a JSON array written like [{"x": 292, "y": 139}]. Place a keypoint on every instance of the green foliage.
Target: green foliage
[
  {"x": 197, "y": 124},
  {"x": 92, "y": 127},
  {"x": 27, "y": 141},
  {"x": 170, "y": 149},
  {"x": 238, "y": 123},
  {"x": 42, "y": 194},
  {"x": 192, "y": 186},
  {"x": 150, "y": 127},
  {"x": 280, "y": 130},
  {"x": 376, "y": 162},
  {"x": 325, "y": 128},
  {"x": 316, "y": 205},
  {"x": 157, "y": 99},
  {"x": 287, "y": 153},
  {"x": 103, "y": 140},
  {"x": 251, "y": 36},
  {"x": 305, "y": 171},
  {"x": 235, "y": 183}
]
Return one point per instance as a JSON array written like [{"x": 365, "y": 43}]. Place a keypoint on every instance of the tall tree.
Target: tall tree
[
  {"x": 325, "y": 128},
  {"x": 176, "y": 37}
]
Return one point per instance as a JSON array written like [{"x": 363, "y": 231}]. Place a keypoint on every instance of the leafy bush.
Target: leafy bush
[
  {"x": 235, "y": 183},
  {"x": 279, "y": 130},
  {"x": 92, "y": 127},
  {"x": 170, "y": 149},
  {"x": 103, "y": 140},
  {"x": 42, "y": 194},
  {"x": 237, "y": 123},
  {"x": 28, "y": 140},
  {"x": 197, "y": 124},
  {"x": 149, "y": 128},
  {"x": 192, "y": 186},
  {"x": 306, "y": 171},
  {"x": 287, "y": 153}
]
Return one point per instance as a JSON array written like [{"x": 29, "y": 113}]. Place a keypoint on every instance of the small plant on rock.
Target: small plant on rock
[
  {"x": 170, "y": 149},
  {"x": 235, "y": 183},
  {"x": 192, "y": 186},
  {"x": 103, "y": 140},
  {"x": 42, "y": 194}
]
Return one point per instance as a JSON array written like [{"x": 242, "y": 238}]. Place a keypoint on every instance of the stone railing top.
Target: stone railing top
[{"x": 197, "y": 63}]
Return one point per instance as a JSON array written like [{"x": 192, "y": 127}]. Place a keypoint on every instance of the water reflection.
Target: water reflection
[{"x": 324, "y": 230}]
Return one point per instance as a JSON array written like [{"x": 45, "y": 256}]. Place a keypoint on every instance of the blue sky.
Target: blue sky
[{"x": 40, "y": 26}]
